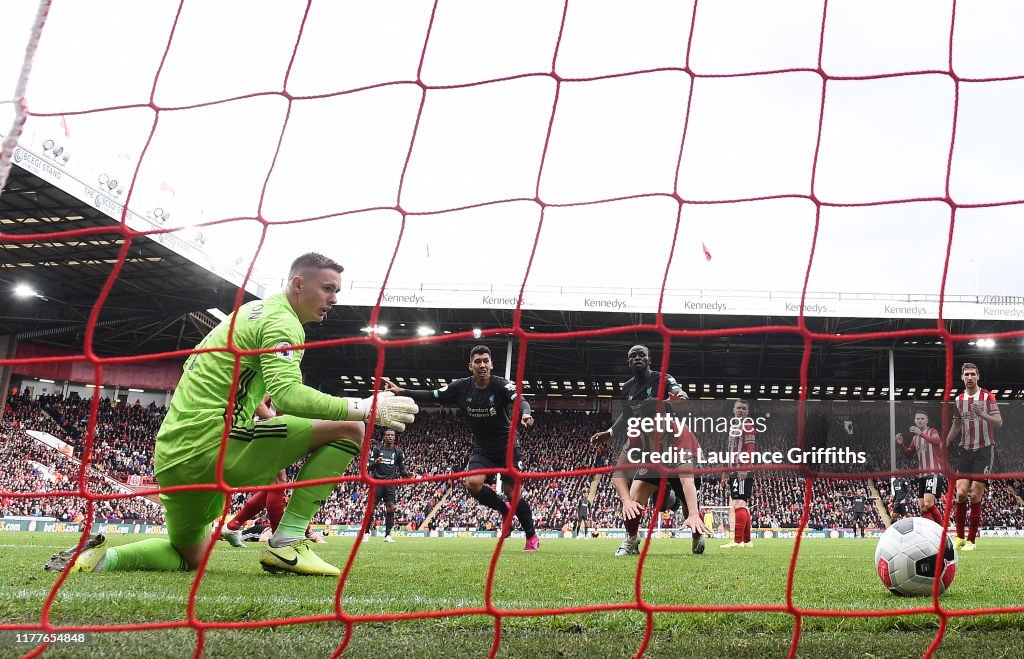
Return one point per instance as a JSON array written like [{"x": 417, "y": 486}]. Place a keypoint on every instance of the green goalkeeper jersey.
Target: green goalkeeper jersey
[{"x": 195, "y": 421}]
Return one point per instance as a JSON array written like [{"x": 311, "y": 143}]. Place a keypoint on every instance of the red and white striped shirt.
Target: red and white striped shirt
[
  {"x": 976, "y": 432},
  {"x": 926, "y": 446},
  {"x": 742, "y": 441}
]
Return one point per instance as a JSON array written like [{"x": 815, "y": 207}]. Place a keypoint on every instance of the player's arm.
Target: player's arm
[
  {"x": 618, "y": 428},
  {"x": 284, "y": 386},
  {"x": 446, "y": 394},
  {"x": 954, "y": 430},
  {"x": 990, "y": 412},
  {"x": 932, "y": 436},
  {"x": 508, "y": 389},
  {"x": 400, "y": 463},
  {"x": 906, "y": 448},
  {"x": 620, "y": 481},
  {"x": 674, "y": 389},
  {"x": 693, "y": 521}
]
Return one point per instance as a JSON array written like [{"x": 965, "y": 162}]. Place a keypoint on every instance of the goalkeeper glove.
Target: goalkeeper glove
[{"x": 392, "y": 411}]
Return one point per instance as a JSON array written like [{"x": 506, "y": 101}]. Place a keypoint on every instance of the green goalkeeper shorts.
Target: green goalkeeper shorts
[{"x": 254, "y": 455}]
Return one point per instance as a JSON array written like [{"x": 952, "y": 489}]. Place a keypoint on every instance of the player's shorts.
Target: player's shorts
[
  {"x": 255, "y": 453},
  {"x": 976, "y": 462},
  {"x": 859, "y": 517},
  {"x": 385, "y": 493},
  {"x": 479, "y": 460},
  {"x": 740, "y": 489},
  {"x": 930, "y": 484},
  {"x": 655, "y": 476}
]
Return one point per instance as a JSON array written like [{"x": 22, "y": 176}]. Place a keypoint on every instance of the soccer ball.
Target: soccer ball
[{"x": 905, "y": 557}]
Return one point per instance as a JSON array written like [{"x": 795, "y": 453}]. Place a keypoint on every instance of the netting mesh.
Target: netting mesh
[{"x": 522, "y": 335}]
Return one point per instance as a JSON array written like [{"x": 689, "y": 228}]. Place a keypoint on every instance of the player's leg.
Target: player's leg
[
  {"x": 332, "y": 445},
  {"x": 524, "y": 512},
  {"x": 675, "y": 483},
  {"x": 977, "y": 496},
  {"x": 389, "y": 513},
  {"x": 188, "y": 516},
  {"x": 736, "y": 517},
  {"x": 962, "y": 461},
  {"x": 257, "y": 451},
  {"x": 981, "y": 463},
  {"x": 641, "y": 491},
  {"x": 927, "y": 491},
  {"x": 477, "y": 486}
]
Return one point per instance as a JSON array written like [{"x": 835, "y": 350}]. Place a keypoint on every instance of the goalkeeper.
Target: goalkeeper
[{"x": 326, "y": 430}]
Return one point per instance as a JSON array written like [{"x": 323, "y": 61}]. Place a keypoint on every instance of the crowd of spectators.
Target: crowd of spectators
[
  {"x": 33, "y": 468},
  {"x": 439, "y": 443}
]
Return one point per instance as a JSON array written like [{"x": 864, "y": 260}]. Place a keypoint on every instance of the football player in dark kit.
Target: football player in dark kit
[
  {"x": 641, "y": 387},
  {"x": 486, "y": 400},
  {"x": 387, "y": 463}
]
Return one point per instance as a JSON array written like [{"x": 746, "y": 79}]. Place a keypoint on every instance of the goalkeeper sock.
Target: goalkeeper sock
[
  {"x": 960, "y": 513},
  {"x": 525, "y": 515},
  {"x": 252, "y": 507},
  {"x": 490, "y": 498},
  {"x": 328, "y": 461},
  {"x": 389, "y": 521},
  {"x": 972, "y": 533},
  {"x": 633, "y": 525},
  {"x": 155, "y": 554}
]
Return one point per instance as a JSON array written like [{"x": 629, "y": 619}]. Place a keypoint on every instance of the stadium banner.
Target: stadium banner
[{"x": 50, "y": 525}]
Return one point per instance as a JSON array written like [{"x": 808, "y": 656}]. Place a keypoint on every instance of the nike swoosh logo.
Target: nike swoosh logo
[{"x": 292, "y": 562}]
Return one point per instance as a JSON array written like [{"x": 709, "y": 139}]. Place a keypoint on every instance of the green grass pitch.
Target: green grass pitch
[{"x": 431, "y": 574}]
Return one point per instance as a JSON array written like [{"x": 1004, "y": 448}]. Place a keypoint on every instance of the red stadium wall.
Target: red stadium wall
[{"x": 147, "y": 375}]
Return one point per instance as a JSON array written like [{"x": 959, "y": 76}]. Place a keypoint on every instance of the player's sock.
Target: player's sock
[
  {"x": 389, "y": 521},
  {"x": 156, "y": 554},
  {"x": 960, "y": 515},
  {"x": 744, "y": 527},
  {"x": 488, "y": 497},
  {"x": 935, "y": 514},
  {"x": 633, "y": 526},
  {"x": 525, "y": 515},
  {"x": 252, "y": 507},
  {"x": 972, "y": 533},
  {"x": 328, "y": 461},
  {"x": 275, "y": 508},
  {"x": 738, "y": 533}
]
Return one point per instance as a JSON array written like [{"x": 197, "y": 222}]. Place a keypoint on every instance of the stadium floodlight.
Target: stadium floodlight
[
  {"x": 47, "y": 145},
  {"x": 161, "y": 215},
  {"x": 987, "y": 344},
  {"x": 379, "y": 330},
  {"x": 24, "y": 290},
  {"x": 477, "y": 332},
  {"x": 425, "y": 330}
]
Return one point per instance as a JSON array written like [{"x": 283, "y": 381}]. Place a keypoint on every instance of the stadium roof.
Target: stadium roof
[{"x": 159, "y": 301}]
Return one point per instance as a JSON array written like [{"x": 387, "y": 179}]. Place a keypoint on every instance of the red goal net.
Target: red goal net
[{"x": 848, "y": 147}]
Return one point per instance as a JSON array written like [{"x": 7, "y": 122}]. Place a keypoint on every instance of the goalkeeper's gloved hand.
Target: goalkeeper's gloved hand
[{"x": 392, "y": 411}]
